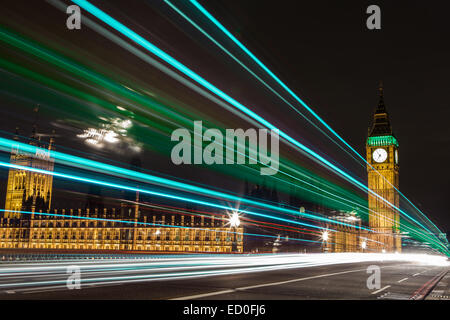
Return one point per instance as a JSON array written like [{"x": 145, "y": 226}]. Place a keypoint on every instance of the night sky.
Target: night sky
[{"x": 325, "y": 53}]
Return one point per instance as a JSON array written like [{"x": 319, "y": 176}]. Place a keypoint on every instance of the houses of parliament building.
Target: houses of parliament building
[{"x": 29, "y": 222}]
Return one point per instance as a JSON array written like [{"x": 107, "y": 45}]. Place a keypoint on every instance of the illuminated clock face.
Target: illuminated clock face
[
  {"x": 396, "y": 156},
  {"x": 379, "y": 155}
]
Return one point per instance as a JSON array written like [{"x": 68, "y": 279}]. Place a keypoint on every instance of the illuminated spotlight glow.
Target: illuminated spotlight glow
[
  {"x": 364, "y": 244},
  {"x": 234, "y": 219},
  {"x": 325, "y": 236},
  {"x": 284, "y": 86},
  {"x": 179, "y": 66}
]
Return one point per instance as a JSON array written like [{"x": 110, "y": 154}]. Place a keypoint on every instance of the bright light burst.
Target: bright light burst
[{"x": 234, "y": 219}]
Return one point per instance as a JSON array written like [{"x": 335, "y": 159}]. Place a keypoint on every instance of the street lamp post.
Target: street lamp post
[
  {"x": 324, "y": 240},
  {"x": 234, "y": 223},
  {"x": 363, "y": 245}
]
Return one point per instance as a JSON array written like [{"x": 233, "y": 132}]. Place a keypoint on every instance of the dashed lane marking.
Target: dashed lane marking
[{"x": 379, "y": 290}]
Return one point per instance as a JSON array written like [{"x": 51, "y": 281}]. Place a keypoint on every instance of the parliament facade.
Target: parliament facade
[{"x": 28, "y": 221}]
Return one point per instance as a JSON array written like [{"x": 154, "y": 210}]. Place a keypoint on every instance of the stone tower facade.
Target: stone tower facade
[
  {"x": 28, "y": 190},
  {"x": 383, "y": 178}
]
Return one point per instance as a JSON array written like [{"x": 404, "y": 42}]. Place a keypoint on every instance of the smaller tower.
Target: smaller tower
[{"x": 26, "y": 190}]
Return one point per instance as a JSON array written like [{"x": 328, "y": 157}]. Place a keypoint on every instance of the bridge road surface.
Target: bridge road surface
[{"x": 399, "y": 280}]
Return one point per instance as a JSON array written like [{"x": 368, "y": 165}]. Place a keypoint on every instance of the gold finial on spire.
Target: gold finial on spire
[
  {"x": 52, "y": 140},
  {"x": 16, "y": 134},
  {"x": 380, "y": 88}
]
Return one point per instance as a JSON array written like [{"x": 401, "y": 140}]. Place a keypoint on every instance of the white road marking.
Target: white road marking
[
  {"x": 40, "y": 289},
  {"x": 379, "y": 290},
  {"x": 263, "y": 285},
  {"x": 45, "y": 290},
  {"x": 402, "y": 280},
  {"x": 10, "y": 291},
  {"x": 416, "y": 274},
  {"x": 196, "y": 296}
]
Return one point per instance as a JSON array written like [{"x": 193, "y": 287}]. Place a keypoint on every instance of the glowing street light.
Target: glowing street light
[
  {"x": 234, "y": 223},
  {"x": 234, "y": 220},
  {"x": 364, "y": 244},
  {"x": 325, "y": 236}
]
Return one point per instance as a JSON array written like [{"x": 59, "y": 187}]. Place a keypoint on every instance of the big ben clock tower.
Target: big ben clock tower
[{"x": 382, "y": 169}]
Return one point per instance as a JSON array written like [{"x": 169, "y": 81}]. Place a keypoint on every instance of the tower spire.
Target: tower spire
[
  {"x": 51, "y": 140},
  {"x": 381, "y": 124},
  {"x": 16, "y": 133},
  {"x": 380, "y": 89},
  {"x": 33, "y": 130}
]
